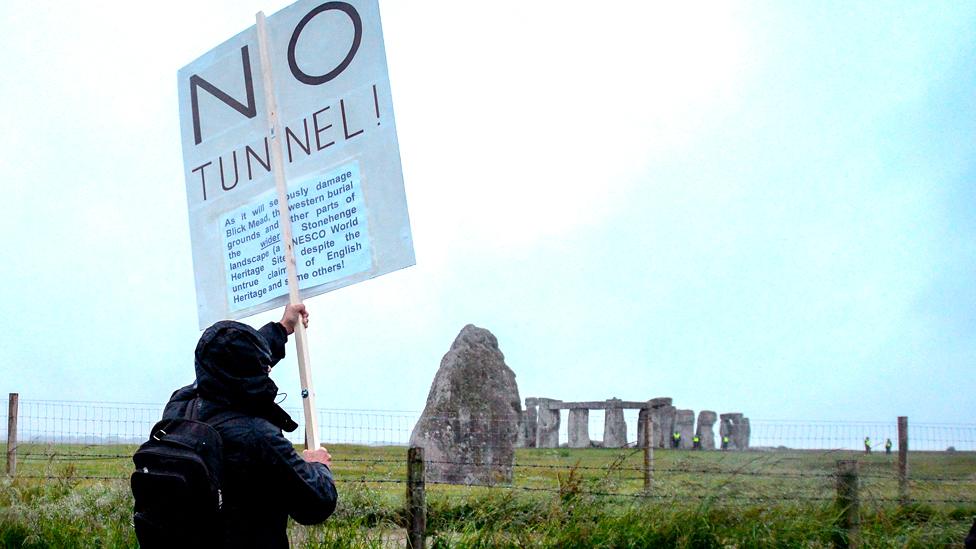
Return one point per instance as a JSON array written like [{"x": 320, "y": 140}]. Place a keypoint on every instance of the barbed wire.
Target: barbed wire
[
  {"x": 68, "y": 478},
  {"x": 88, "y": 440},
  {"x": 575, "y": 492},
  {"x": 67, "y": 455},
  {"x": 93, "y": 427},
  {"x": 613, "y": 468},
  {"x": 713, "y": 496},
  {"x": 609, "y": 468}
]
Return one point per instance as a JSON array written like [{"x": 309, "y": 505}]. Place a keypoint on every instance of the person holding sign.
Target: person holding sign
[{"x": 264, "y": 479}]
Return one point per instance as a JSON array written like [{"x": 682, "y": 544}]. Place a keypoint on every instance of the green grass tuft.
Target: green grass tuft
[{"x": 745, "y": 500}]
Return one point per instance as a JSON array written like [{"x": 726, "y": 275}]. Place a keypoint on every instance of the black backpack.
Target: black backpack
[{"x": 176, "y": 484}]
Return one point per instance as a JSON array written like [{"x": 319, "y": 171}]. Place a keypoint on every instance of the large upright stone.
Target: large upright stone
[
  {"x": 723, "y": 431},
  {"x": 614, "y": 426},
  {"x": 653, "y": 405},
  {"x": 732, "y": 426},
  {"x": 530, "y": 417},
  {"x": 471, "y": 422},
  {"x": 547, "y": 429},
  {"x": 663, "y": 425},
  {"x": 745, "y": 431},
  {"x": 684, "y": 423},
  {"x": 640, "y": 427},
  {"x": 579, "y": 428},
  {"x": 705, "y": 429}
]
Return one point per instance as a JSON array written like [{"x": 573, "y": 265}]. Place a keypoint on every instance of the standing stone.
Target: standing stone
[
  {"x": 704, "y": 430},
  {"x": 731, "y": 426},
  {"x": 684, "y": 423},
  {"x": 745, "y": 431},
  {"x": 529, "y": 419},
  {"x": 547, "y": 434},
  {"x": 614, "y": 426},
  {"x": 640, "y": 427},
  {"x": 663, "y": 425},
  {"x": 579, "y": 428},
  {"x": 723, "y": 430},
  {"x": 471, "y": 422},
  {"x": 653, "y": 404}
]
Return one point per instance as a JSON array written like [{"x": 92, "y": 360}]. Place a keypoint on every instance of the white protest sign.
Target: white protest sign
[
  {"x": 330, "y": 228},
  {"x": 341, "y": 160}
]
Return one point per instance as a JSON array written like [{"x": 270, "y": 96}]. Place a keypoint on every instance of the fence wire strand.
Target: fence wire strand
[{"x": 70, "y": 441}]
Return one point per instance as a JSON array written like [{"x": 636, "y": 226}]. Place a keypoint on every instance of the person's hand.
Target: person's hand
[
  {"x": 290, "y": 318},
  {"x": 320, "y": 455}
]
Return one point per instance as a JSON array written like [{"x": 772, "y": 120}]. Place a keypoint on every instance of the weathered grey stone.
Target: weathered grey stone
[
  {"x": 530, "y": 417},
  {"x": 684, "y": 423},
  {"x": 547, "y": 428},
  {"x": 579, "y": 428},
  {"x": 614, "y": 426},
  {"x": 726, "y": 429},
  {"x": 640, "y": 427},
  {"x": 732, "y": 426},
  {"x": 653, "y": 404},
  {"x": 663, "y": 425},
  {"x": 705, "y": 429},
  {"x": 471, "y": 422},
  {"x": 745, "y": 431}
]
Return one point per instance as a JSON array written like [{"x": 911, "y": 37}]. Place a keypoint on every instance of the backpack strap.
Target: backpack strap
[
  {"x": 192, "y": 412},
  {"x": 221, "y": 417}
]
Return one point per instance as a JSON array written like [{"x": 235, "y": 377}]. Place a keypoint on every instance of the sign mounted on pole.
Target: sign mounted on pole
[{"x": 339, "y": 155}]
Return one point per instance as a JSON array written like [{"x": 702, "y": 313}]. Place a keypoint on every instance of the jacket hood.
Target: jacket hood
[{"x": 232, "y": 363}]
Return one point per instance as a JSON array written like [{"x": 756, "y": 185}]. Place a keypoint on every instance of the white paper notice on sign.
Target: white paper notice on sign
[
  {"x": 330, "y": 234},
  {"x": 339, "y": 149}
]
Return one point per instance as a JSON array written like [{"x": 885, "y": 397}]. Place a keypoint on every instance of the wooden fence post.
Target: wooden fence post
[
  {"x": 648, "y": 451},
  {"x": 12, "y": 434},
  {"x": 416, "y": 499},
  {"x": 903, "y": 459},
  {"x": 848, "y": 505}
]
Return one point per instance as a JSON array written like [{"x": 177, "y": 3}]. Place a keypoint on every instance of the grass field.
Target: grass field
[{"x": 73, "y": 496}]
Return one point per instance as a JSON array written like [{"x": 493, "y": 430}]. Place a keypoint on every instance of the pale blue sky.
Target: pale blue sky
[{"x": 762, "y": 207}]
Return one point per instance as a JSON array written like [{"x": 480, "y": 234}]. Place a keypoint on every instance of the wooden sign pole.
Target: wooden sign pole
[{"x": 284, "y": 220}]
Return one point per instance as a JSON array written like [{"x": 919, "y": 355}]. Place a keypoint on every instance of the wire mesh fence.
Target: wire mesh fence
[
  {"x": 745, "y": 477},
  {"x": 103, "y": 423},
  {"x": 852, "y": 434},
  {"x": 788, "y": 461},
  {"x": 673, "y": 484},
  {"x": 791, "y": 464},
  {"x": 369, "y": 427},
  {"x": 85, "y": 423}
]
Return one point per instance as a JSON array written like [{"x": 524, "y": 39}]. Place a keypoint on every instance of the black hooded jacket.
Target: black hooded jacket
[{"x": 265, "y": 480}]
